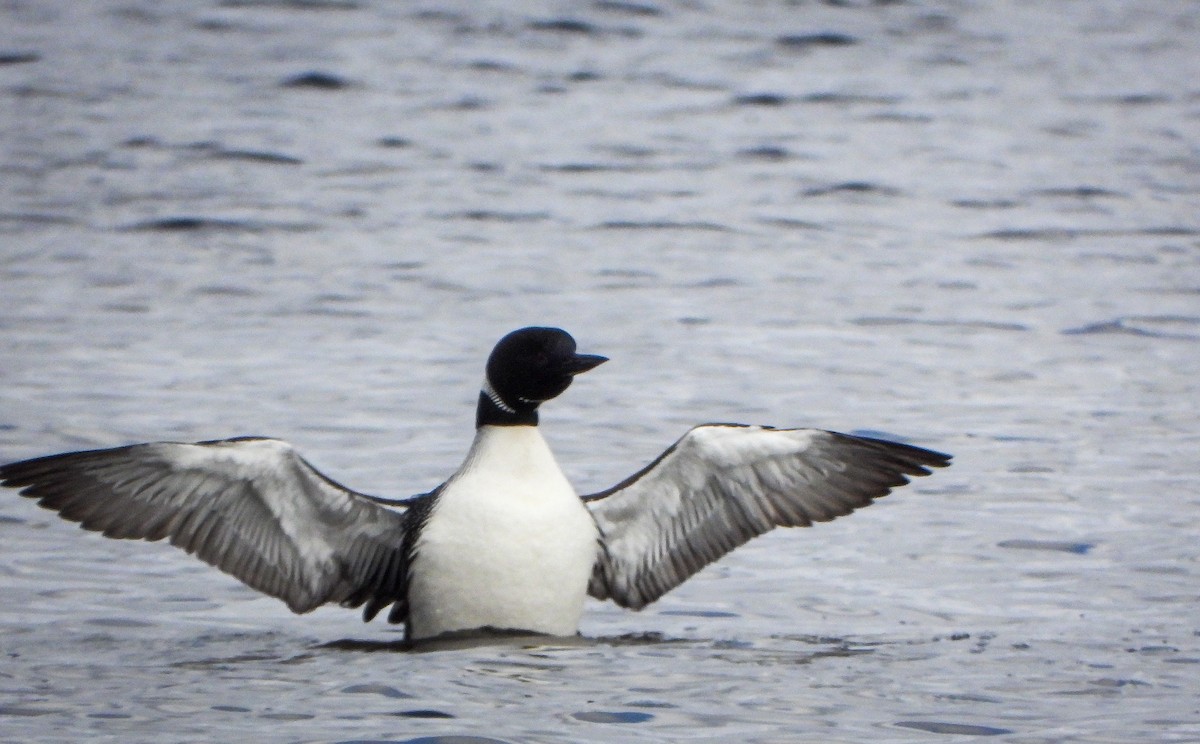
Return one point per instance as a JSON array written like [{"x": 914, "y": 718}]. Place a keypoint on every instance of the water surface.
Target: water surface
[{"x": 971, "y": 225}]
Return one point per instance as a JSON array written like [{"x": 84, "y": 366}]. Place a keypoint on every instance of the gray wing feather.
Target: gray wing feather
[
  {"x": 721, "y": 485},
  {"x": 251, "y": 507}
]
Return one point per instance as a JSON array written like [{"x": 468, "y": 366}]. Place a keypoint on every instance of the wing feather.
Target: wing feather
[
  {"x": 721, "y": 485},
  {"x": 251, "y": 507}
]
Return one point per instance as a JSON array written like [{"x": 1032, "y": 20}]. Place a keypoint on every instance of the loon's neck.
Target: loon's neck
[{"x": 493, "y": 411}]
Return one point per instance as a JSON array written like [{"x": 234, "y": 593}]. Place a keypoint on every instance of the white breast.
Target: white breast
[{"x": 509, "y": 544}]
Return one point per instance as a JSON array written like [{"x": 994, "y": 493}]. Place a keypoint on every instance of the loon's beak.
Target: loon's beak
[{"x": 583, "y": 362}]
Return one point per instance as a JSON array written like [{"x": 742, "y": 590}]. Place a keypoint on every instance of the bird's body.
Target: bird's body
[
  {"x": 505, "y": 543},
  {"x": 508, "y": 544}
]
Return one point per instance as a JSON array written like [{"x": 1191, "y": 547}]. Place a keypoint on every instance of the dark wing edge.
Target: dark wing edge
[
  {"x": 250, "y": 506},
  {"x": 721, "y": 485}
]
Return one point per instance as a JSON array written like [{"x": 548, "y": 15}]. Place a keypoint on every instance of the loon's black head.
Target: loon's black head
[{"x": 527, "y": 368}]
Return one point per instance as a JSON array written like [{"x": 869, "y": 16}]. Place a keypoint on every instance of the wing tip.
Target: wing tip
[
  {"x": 917, "y": 458},
  {"x": 27, "y": 475}
]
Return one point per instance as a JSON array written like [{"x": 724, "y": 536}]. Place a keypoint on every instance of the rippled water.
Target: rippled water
[{"x": 968, "y": 224}]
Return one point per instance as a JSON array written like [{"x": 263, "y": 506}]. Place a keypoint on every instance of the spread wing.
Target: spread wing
[
  {"x": 251, "y": 507},
  {"x": 722, "y": 484}
]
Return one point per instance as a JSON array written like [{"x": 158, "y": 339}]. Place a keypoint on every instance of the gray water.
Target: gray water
[{"x": 972, "y": 225}]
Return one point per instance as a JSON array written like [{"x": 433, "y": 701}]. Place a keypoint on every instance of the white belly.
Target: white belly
[{"x": 509, "y": 545}]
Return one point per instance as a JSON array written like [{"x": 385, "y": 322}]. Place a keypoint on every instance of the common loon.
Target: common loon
[{"x": 505, "y": 543}]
